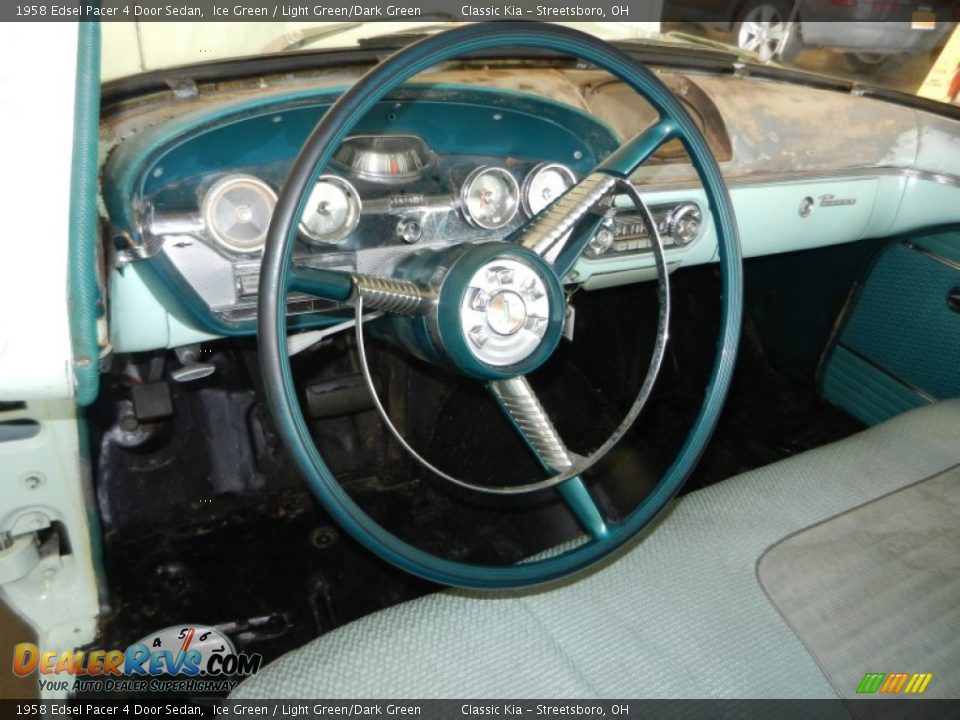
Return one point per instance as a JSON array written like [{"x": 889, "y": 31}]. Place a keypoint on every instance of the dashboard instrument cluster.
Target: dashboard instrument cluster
[
  {"x": 376, "y": 179},
  {"x": 191, "y": 196},
  {"x": 380, "y": 196}
]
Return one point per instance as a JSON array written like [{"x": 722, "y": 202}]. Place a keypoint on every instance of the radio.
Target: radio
[{"x": 627, "y": 233}]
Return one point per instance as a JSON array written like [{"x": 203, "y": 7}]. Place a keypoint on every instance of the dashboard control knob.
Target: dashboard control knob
[
  {"x": 409, "y": 231},
  {"x": 683, "y": 225},
  {"x": 600, "y": 242}
]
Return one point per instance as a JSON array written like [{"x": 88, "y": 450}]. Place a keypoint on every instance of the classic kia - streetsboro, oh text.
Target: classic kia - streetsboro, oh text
[
  {"x": 540, "y": 709},
  {"x": 541, "y": 11}
]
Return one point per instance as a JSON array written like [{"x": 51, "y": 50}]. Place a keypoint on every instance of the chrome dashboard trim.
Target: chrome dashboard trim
[
  {"x": 145, "y": 250},
  {"x": 184, "y": 225},
  {"x": 224, "y": 287},
  {"x": 939, "y": 178},
  {"x": 398, "y": 204},
  {"x": 861, "y": 173}
]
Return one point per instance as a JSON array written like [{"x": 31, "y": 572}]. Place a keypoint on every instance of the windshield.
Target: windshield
[{"x": 917, "y": 54}]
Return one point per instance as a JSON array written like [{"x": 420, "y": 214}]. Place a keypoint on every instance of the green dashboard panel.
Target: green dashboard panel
[{"x": 273, "y": 128}]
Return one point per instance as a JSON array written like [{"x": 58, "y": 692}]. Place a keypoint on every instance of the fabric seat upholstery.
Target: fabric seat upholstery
[{"x": 679, "y": 614}]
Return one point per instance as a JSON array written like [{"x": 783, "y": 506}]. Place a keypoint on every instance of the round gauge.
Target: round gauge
[
  {"x": 332, "y": 212},
  {"x": 544, "y": 184},
  {"x": 237, "y": 211},
  {"x": 385, "y": 157},
  {"x": 490, "y": 197}
]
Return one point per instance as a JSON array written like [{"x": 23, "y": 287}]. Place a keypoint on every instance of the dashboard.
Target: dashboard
[
  {"x": 426, "y": 168},
  {"x": 189, "y": 183}
]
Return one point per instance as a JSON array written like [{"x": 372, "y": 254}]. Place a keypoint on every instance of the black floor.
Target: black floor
[{"x": 767, "y": 417}]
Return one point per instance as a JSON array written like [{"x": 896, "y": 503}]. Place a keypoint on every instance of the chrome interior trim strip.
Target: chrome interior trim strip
[
  {"x": 939, "y": 178},
  {"x": 952, "y": 264},
  {"x": 755, "y": 179}
]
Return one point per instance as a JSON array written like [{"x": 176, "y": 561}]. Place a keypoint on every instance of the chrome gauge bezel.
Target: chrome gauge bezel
[
  {"x": 355, "y": 206},
  {"x": 468, "y": 183},
  {"x": 216, "y": 192},
  {"x": 533, "y": 174}
]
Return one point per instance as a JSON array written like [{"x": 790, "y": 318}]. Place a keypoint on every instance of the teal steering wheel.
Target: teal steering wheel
[{"x": 430, "y": 296}]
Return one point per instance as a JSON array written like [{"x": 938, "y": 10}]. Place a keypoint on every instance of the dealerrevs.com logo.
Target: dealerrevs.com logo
[{"x": 186, "y": 658}]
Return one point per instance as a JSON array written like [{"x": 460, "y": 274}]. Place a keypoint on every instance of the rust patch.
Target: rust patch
[{"x": 790, "y": 127}]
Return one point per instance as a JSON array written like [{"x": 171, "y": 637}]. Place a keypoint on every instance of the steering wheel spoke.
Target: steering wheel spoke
[
  {"x": 561, "y": 232},
  {"x": 399, "y": 297},
  {"x": 625, "y": 160},
  {"x": 581, "y": 503},
  {"x": 526, "y": 412},
  {"x": 548, "y": 232},
  {"x": 328, "y": 284}
]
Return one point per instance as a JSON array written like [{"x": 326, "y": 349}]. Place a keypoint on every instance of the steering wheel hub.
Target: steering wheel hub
[
  {"x": 505, "y": 312},
  {"x": 499, "y": 311}
]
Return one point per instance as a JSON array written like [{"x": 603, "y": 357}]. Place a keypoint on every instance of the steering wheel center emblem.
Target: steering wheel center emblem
[{"x": 506, "y": 312}]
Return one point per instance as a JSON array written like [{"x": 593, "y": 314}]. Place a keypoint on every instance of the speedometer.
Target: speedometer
[
  {"x": 332, "y": 212},
  {"x": 490, "y": 197},
  {"x": 544, "y": 184},
  {"x": 385, "y": 158}
]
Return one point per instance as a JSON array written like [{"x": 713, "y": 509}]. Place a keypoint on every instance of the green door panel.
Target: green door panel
[{"x": 899, "y": 344}]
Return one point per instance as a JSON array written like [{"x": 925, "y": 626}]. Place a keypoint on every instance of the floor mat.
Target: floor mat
[{"x": 876, "y": 591}]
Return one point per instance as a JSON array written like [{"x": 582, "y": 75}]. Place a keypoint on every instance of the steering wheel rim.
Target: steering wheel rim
[{"x": 274, "y": 284}]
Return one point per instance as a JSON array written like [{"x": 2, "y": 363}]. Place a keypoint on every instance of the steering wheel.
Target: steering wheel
[{"x": 494, "y": 311}]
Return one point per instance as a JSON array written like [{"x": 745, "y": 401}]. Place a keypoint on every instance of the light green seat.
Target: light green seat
[{"x": 680, "y": 614}]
